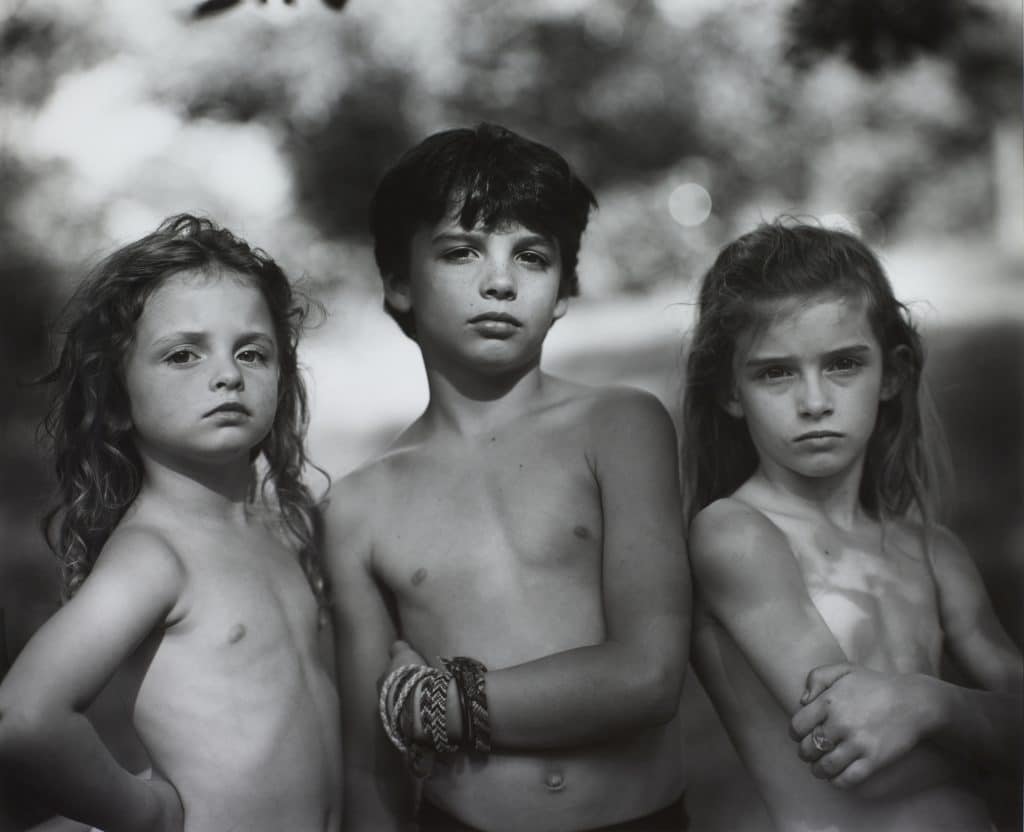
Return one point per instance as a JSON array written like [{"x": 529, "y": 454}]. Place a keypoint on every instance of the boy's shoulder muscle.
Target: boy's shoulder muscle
[
  {"x": 622, "y": 411},
  {"x": 354, "y": 510}
]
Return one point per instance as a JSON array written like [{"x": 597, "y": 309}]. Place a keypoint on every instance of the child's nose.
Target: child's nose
[
  {"x": 814, "y": 398},
  {"x": 227, "y": 376},
  {"x": 498, "y": 282}
]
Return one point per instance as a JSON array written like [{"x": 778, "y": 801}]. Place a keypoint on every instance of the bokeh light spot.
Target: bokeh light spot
[{"x": 690, "y": 204}]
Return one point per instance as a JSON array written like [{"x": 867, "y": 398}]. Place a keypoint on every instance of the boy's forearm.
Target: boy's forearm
[
  {"x": 67, "y": 765},
  {"x": 579, "y": 696}
]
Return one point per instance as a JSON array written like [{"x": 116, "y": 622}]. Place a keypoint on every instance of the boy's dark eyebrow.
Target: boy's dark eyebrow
[
  {"x": 530, "y": 239},
  {"x": 764, "y": 361}
]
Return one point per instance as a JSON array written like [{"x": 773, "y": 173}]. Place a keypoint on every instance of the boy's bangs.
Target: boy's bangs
[{"x": 488, "y": 199}]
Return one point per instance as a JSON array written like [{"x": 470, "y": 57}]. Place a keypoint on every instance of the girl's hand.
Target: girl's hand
[
  {"x": 171, "y": 817},
  {"x": 401, "y": 654},
  {"x": 856, "y": 721}
]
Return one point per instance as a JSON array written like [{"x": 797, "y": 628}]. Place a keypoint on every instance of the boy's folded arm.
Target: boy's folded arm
[
  {"x": 377, "y": 794},
  {"x": 985, "y": 723},
  {"x": 753, "y": 588},
  {"x": 633, "y": 679},
  {"x": 45, "y": 738}
]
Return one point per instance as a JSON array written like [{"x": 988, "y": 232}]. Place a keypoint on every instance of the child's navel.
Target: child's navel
[
  {"x": 419, "y": 576},
  {"x": 236, "y": 634},
  {"x": 582, "y": 532}
]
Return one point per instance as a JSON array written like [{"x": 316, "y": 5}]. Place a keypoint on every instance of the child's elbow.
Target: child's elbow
[
  {"x": 661, "y": 693},
  {"x": 18, "y": 727}
]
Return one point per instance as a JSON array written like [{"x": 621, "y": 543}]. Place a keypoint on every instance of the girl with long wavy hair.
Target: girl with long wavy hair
[
  {"x": 186, "y": 535},
  {"x": 826, "y": 590}
]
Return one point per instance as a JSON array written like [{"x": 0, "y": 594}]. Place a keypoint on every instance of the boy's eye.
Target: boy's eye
[
  {"x": 845, "y": 364},
  {"x": 181, "y": 356},
  {"x": 534, "y": 258},
  {"x": 458, "y": 255}
]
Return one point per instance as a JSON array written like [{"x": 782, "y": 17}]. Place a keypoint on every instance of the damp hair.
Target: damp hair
[
  {"x": 486, "y": 176},
  {"x": 88, "y": 423},
  {"x": 788, "y": 259}
]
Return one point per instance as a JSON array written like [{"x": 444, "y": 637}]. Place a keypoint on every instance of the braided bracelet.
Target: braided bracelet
[
  {"x": 434, "y": 709},
  {"x": 469, "y": 680},
  {"x": 401, "y": 682}
]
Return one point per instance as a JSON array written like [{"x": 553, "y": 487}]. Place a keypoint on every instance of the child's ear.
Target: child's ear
[
  {"x": 561, "y": 307},
  {"x": 397, "y": 293},
  {"x": 730, "y": 402},
  {"x": 895, "y": 372}
]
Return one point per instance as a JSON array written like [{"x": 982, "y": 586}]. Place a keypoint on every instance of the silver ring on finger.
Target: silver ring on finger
[{"x": 820, "y": 741}]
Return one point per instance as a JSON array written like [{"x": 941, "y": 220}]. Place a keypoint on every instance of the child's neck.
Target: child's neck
[
  {"x": 217, "y": 493},
  {"x": 471, "y": 403},
  {"x": 835, "y": 498}
]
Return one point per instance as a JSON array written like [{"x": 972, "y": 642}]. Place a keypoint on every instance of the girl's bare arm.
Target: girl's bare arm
[{"x": 44, "y": 736}]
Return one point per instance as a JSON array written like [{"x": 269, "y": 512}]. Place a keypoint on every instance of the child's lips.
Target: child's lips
[
  {"x": 818, "y": 435},
  {"x": 495, "y": 324},
  {"x": 230, "y": 407},
  {"x": 495, "y": 317}
]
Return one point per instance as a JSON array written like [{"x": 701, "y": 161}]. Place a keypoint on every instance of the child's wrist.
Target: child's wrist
[
  {"x": 456, "y": 728},
  {"x": 932, "y": 704}
]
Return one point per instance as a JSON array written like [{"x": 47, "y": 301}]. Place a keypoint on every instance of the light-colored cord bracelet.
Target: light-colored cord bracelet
[{"x": 404, "y": 679}]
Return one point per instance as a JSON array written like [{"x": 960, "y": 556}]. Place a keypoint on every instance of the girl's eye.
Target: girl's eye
[
  {"x": 181, "y": 356},
  {"x": 251, "y": 356},
  {"x": 773, "y": 374}
]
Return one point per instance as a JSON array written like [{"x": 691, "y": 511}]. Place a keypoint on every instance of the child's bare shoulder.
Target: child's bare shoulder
[
  {"x": 619, "y": 407},
  {"x": 141, "y": 562},
  {"x": 731, "y": 534},
  {"x": 141, "y": 546},
  {"x": 360, "y": 499},
  {"x": 931, "y": 542}
]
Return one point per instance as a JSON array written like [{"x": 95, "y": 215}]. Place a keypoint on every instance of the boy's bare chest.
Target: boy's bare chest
[
  {"x": 512, "y": 506},
  {"x": 878, "y": 599}
]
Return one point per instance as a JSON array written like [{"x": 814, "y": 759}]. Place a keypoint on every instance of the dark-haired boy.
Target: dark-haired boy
[{"x": 524, "y": 521}]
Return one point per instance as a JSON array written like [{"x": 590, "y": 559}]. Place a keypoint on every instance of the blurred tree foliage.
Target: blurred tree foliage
[{"x": 981, "y": 40}]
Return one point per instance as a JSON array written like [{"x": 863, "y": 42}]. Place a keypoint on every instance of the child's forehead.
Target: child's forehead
[
  {"x": 188, "y": 280},
  {"x": 822, "y": 318},
  {"x": 196, "y": 292},
  {"x": 452, "y": 224}
]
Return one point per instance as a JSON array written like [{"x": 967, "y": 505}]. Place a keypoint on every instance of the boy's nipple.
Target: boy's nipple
[
  {"x": 554, "y": 781},
  {"x": 236, "y": 633}
]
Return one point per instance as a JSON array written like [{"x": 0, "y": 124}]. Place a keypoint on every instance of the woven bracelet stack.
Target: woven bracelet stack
[{"x": 432, "y": 684}]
